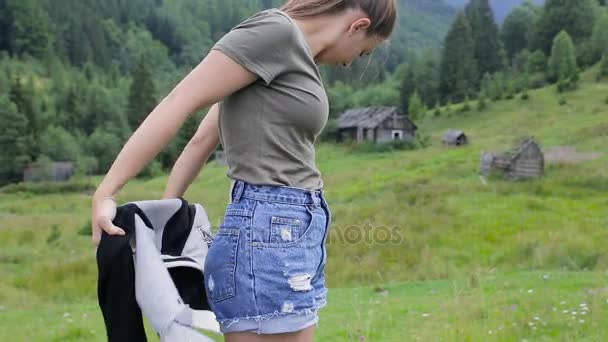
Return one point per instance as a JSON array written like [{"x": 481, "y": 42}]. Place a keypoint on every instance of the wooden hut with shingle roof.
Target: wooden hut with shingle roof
[
  {"x": 524, "y": 161},
  {"x": 455, "y": 138},
  {"x": 377, "y": 124}
]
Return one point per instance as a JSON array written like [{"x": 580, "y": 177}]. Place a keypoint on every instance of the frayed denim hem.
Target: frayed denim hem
[{"x": 273, "y": 323}]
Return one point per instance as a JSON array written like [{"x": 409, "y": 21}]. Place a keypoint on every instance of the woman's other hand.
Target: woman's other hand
[{"x": 103, "y": 211}]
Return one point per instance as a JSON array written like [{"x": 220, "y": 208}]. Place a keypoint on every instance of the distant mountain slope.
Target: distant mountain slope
[
  {"x": 422, "y": 24},
  {"x": 501, "y": 7}
]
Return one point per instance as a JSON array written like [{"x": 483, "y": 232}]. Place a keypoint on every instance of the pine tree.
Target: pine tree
[
  {"x": 23, "y": 96},
  {"x": 141, "y": 95},
  {"x": 426, "y": 76},
  {"x": 576, "y": 17},
  {"x": 562, "y": 64},
  {"x": 13, "y": 141},
  {"x": 458, "y": 71},
  {"x": 29, "y": 30},
  {"x": 599, "y": 37},
  {"x": 407, "y": 87},
  {"x": 516, "y": 29},
  {"x": 487, "y": 44},
  {"x": 4, "y": 24},
  {"x": 416, "y": 107}
]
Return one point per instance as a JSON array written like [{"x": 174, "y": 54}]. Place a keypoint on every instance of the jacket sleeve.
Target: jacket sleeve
[{"x": 116, "y": 282}]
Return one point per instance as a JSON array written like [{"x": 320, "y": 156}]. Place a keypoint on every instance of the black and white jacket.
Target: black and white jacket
[{"x": 156, "y": 267}]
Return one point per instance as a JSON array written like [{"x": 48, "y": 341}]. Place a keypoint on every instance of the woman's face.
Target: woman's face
[{"x": 355, "y": 43}]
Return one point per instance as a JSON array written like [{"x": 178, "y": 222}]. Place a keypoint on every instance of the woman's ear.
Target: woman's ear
[{"x": 360, "y": 24}]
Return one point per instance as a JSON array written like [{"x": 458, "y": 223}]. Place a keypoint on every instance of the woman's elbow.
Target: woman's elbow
[{"x": 180, "y": 100}]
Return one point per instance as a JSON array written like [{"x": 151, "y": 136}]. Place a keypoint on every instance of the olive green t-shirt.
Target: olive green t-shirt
[{"x": 268, "y": 129}]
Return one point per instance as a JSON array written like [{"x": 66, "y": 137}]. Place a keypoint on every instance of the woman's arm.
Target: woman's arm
[
  {"x": 194, "y": 156},
  {"x": 216, "y": 77}
]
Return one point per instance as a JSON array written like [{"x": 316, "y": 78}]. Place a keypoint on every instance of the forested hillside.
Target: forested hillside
[{"x": 78, "y": 76}]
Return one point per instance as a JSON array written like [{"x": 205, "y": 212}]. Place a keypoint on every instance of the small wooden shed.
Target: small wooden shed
[
  {"x": 377, "y": 124},
  {"x": 54, "y": 171},
  {"x": 455, "y": 138},
  {"x": 525, "y": 161}
]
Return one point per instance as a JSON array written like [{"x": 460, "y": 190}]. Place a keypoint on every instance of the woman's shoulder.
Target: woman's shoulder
[
  {"x": 265, "y": 28},
  {"x": 272, "y": 19}
]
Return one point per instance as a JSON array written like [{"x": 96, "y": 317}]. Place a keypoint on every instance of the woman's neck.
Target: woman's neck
[{"x": 323, "y": 31}]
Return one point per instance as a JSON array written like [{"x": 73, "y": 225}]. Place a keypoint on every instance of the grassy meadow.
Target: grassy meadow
[{"x": 469, "y": 259}]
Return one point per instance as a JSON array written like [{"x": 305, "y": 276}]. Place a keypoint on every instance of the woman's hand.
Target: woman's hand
[{"x": 103, "y": 211}]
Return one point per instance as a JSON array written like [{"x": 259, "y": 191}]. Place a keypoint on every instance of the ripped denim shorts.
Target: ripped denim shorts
[{"x": 265, "y": 269}]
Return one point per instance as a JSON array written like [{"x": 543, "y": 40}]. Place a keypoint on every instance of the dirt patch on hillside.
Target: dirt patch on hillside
[{"x": 569, "y": 155}]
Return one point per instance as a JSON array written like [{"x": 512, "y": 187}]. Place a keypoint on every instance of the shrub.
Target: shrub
[
  {"x": 423, "y": 139},
  {"x": 152, "y": 170},
  {"x": 537, "y": 81},
  {"x": 371, "y": 147},
  {"x": 42, "y": 188},
  {"x": 466, "y": 106},
  {"x": 603, "y": 72},
  {"x": 54, "y": 235},
  {"x": 562, "y": 85},
  {"x": 481, "y": 101},
  {"x": 85, "y": 230},
  {"x": 437, "y": 111}
]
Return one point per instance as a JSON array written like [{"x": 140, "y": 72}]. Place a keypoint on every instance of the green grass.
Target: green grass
[
  {"x": 464, "y": 252},
  {"x": 532, "y": 306}
]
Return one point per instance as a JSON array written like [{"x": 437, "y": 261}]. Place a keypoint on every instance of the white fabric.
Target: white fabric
[{"x": 155, "y": 291}]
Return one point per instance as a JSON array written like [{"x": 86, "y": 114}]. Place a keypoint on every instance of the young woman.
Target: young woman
[{"x": 265, "y": 269}]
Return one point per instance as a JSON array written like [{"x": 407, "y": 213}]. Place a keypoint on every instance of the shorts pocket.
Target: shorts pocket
[
  {"x": 220, "y": 265},
  {"x": 284, "y": 229},
  {"x": 290, "y": 226}
]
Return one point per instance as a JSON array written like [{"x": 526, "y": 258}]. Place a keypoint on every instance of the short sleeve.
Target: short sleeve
[{"x": 260, "y": 44}]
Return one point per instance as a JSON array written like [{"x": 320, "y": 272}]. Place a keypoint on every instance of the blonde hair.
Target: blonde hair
[{"x": 383, "y": 13}]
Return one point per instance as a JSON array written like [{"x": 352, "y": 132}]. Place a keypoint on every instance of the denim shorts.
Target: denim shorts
[{"x": 265, "y": 269}]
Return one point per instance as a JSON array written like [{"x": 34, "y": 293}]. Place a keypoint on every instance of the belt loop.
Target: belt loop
[
  {"x": 237, "y": 191},
  {"x": 315, "y": 198}
]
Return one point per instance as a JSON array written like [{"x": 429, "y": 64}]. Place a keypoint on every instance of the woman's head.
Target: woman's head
[{"x": 366, "y": 23}]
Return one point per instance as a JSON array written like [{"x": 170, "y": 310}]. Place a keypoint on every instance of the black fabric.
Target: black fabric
[
  {"x": 190, "y": 284},
  {"x": 116, "y": 281},
  {"x": 176, "y": 259},
  {"x": 174, "y": 239},
  {"x": 116, "y": 272}
]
